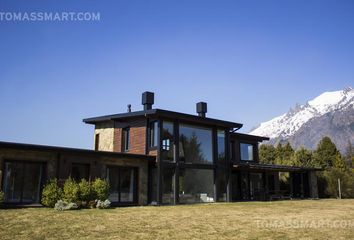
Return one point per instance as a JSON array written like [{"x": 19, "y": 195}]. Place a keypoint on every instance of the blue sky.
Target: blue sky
[{"x": 250, "y": 60}]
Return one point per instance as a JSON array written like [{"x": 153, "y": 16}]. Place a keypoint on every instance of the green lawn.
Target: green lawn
[{"x": 307, "y": 219}]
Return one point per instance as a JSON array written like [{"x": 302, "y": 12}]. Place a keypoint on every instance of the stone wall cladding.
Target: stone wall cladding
[
  {"x": 58, "y": 165},
  {"x": 106, "y": 133}
]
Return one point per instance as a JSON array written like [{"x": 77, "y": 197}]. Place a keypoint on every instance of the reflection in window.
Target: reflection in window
[
  {"x": 167, "y": 141},
  {"x": 195, "y": 144},
  {"x": 22, "y": 182},
  {"x": 246, "y": 151},
  {"x": 168, "y": 186},
  {"x": 220, "y": 172},
  {"x": 196, "y": 186},
  {"x": 122, "y": 184}
]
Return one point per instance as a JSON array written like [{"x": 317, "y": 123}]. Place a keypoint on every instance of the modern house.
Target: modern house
[{"x": 156, "y": 156}]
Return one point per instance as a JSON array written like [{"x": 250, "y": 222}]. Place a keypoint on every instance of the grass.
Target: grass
[{"x": 246, "y": 220}]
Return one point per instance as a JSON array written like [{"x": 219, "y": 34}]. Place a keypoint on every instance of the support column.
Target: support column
[
  {"x": 176, "y": 159},
  {"x": 159, "y": 165},
  {"x": 313, "y": 184}
]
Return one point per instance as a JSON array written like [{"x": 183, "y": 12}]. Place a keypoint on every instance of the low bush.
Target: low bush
[
  {"x": 63, "y": 206},
  {"x": 103, "y": 204},
  {"x": 71, "y": 191},
  {"x": 100, "y": 189},
  {"x": 51, "y": 193},
  {"x": 75, "y": 195}
]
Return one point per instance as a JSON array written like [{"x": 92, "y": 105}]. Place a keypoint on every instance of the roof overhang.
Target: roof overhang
[
  {"x": 165, "y": 114},
  {"x": 243, "y": 136}
]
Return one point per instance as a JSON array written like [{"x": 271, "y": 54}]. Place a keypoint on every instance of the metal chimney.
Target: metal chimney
[
  {"x": 202, "y": 109},
  {"x": 147, "y": 100}
]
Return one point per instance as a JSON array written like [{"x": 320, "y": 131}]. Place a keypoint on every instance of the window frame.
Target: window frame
[
  {"x": 253, "y": 151},
  {"x": 153, "y": 134}
]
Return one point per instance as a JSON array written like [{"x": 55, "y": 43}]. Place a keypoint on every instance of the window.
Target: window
[
  {"x": 246, "y": 151},
  {"x": 97, "y": 142},
  {"x": 196, "y": 186},
  {"x": 126, "y": 139},
  {"x": 80, "y": 171},
  {"x": 167, "y": 141},
  {"x": 220, "y": 171},
  {"x": 195, "y": 144},
  {"x": 22, "y": 182},
  {"x": 122, "y": 184},
  {"x": 168, "y": 186},
  {"x": 153, "y": 133}
]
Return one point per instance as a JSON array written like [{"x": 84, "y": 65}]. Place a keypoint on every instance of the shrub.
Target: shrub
[
  {"x": 71, "y": 191},
  {"x": 51, "y": 193},
  {"x": 85, "y": 191},
  {"x": 103, "y": 204},
  {"x": 63, "y": 206},
  {"x": 100, "y": 189}
]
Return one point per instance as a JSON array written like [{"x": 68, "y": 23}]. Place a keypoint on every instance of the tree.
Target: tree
[
  {"x": 303, "y": 157},
  {"x": 349, "y": 155},
  {"x": 267, "y": 154},
  {"x": 339, "y": 163},
  {"x": 284, "y": 154},
  {"x": 325, "y": 153}
]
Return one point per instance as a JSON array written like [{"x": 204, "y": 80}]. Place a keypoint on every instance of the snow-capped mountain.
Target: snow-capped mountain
[{"x": 313, "y": 116}]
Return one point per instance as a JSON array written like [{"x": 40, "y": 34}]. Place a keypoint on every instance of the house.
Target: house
[{"x": 156, "y": 156}]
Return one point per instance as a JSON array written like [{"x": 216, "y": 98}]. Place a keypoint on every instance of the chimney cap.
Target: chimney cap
[
  {"x": 147, "y": 100},
  {"x": 202, "y": 108}
]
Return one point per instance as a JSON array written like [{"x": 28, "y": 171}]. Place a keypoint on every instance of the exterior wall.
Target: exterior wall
[
  {"x": 106, "y": 133},
  {"x": 58, "y": 165},
  {"x": 137, "y": 136}
]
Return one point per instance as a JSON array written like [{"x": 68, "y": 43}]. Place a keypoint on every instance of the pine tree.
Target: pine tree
[
  {"x": 267, "y": 154},
  {"x": 339, "y": 163},
  {"x": 303, "y": 157},
  {"x": 326, "y": 153}
]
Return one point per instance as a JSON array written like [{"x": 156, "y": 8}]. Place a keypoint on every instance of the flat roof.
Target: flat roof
[
  {"x": 25, "y": 146},
  {"x": 249, "y": 137},
  {"x": 164, "y": 113}
]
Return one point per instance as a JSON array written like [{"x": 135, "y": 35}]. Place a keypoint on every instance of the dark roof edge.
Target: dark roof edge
[
  {"x": 251, "y": 137},
  {"x": 69, "y": 150},
  {"x": 165, "y": 113}
]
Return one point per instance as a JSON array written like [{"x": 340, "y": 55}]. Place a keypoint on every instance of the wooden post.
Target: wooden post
[{"x": 339, "y": 190}]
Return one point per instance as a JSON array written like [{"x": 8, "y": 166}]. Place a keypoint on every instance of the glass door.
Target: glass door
[
  {"x": 22, "y": 182},
  {"x": 123, "y": 184}
]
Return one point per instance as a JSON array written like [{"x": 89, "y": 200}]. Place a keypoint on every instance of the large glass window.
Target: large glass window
[
  {"x": 220, "y": 172},
  {"x": 168, "y": 185},
  {"x": 195, "y": 144},
  {"x": 122, "y": 184},
  {"x": 246, "y": 151},
  {"x": 153, "y": 133},
  {"x": 167, "y": 141},
  {"x": 22, "y": 182},
  {"x": 196, "y": 186},
  {"x": 80, "y": 171}
]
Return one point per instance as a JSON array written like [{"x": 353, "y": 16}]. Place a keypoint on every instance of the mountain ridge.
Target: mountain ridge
[{"x": 329, "y": 114}]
